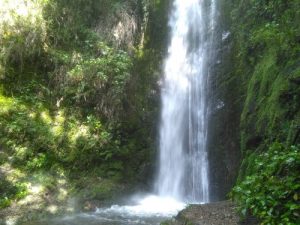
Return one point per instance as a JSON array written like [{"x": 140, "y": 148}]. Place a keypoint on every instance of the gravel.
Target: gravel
[{"x": 218, "y": 213}]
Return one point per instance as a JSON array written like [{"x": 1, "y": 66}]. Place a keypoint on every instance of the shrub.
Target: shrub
[
  {"x": 96, "y": 83},
  {"x": 10, "y": 191},
  {"x": 271, "y": 191},
  {"x": 22, "y": 31}
]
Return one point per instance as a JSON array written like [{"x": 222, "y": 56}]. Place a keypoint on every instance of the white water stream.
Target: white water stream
[
  {"x": 183, "y": 161},
  {"x": 183, "y": 172}
]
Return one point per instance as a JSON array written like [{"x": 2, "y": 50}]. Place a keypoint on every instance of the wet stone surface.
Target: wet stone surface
[{"x": 219, "y": 213}]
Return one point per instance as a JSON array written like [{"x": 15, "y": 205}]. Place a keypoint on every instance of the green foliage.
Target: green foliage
[
  {"x": 68, "y": 99},
  {"x": 37, "y": 140},
  {"x": 103, "y": 190},
  {"x": 3, "y": 158},
  {"x": 10, "y": 191},
  {"x": 266, "y": 62},
  {"x": 79, "y": 70},
  {"x": 104, "y": 76},
  {"x": 22, "y": 33},
  {"x": 70, "y": 22},
  {"x": 271, "y": 191}
]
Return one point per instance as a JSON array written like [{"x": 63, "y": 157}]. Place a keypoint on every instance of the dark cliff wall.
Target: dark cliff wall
[
  {"x": 255, "y": 84},
  {"x": 226, "y": 106},
  {"x": 265, "y": 66}
]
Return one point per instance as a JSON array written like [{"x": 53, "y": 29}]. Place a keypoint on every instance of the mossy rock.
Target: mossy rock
[
  {"x": 3, "y": 157},
  {"x": 100, "y": 190}
]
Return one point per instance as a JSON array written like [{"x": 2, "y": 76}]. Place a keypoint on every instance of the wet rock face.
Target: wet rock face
[
  {"x": 219, "y": 213},
  {"x": 225, "y": 111}
]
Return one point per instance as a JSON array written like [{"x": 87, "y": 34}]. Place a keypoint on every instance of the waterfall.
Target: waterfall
[{"x": 183, "y": 160}]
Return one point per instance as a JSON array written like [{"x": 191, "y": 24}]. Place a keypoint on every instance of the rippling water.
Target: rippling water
[{"x": 149, "y": 211}]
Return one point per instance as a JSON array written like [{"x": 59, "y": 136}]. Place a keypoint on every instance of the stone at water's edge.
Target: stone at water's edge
[{"x": 219, "y": 213}]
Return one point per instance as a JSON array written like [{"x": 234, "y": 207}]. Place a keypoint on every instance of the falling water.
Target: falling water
[
  {"x": 183, "y": 172},
  {"x": 183, "y": 163}
]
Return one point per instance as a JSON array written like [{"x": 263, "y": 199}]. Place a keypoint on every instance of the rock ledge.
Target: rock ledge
[{"x": 218, "y": 213}]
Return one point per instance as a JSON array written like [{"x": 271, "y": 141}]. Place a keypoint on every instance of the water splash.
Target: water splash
[
  {"x": 149, "y": 206},
  {"x": 183, "y": 171},
  {"x": 149, "y": 210}
]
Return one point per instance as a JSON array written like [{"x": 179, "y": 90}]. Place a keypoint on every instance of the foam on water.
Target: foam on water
[
  {"x": 149, "y": 210},
  {"x": 147, "y": 207}
]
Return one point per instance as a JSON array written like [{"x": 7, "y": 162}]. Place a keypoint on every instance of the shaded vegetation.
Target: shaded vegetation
[
  {"x": 76, "y": 101},
  {"x": 11, "y": 192},
  {"x": 79, "y": 98},
  {"x": 266, "y": 63},
  {"x": 271, "y": 191}
]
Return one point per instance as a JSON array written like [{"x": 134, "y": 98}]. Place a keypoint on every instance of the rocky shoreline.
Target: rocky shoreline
[{"x": 218, "y": 213}]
